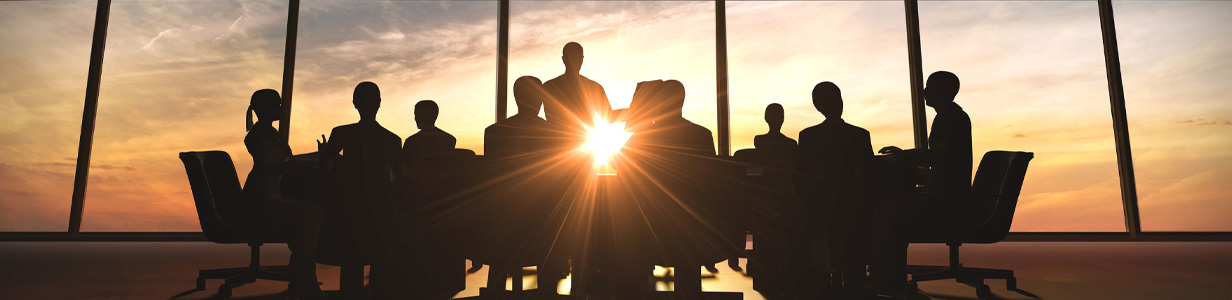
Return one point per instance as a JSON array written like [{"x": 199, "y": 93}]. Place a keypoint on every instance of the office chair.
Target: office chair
[
  {"x": 227, "y": 219},
  {"x": 994, "y": 195}
]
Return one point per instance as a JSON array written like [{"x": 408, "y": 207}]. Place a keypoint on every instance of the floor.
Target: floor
[{"x": 1045, "y": 270}]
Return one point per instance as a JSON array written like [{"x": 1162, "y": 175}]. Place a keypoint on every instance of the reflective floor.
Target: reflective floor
[{"x": 1047, "y": 270}]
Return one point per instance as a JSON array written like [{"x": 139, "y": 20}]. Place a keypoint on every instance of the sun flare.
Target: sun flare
[{"x": 605, "y": 140}]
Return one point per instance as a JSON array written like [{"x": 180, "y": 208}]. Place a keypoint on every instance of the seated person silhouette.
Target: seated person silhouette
[
  {"x": 517, "y": 151},
  {"x": 777, "y": 220},
  {"x": 364, "y": 174},
  {"x": 948, "y": 186},
  {"x": 298, "y": 219},
  {"x": 671, "y": 160},
  {"x": 833, "y": 162},
  {"x": 430, "y": 140}
]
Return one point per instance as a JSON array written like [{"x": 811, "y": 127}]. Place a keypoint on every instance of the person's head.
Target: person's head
[
  {"x": 367, "y": 100},
  {"x": 673, "y": 97},
  {"x": 774, "y": 116},
  {"x": 828, "y": 100},
  {"x": 266, "y": 104},
  {"x": 528, "y": 93},
  {"x": 940, "y": 89},
  {"x": 572, "y": 56},
  {"x": 425, "y": 114}
]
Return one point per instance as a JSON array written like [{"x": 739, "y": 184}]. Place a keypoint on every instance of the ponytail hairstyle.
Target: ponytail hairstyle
[{"x": 266, "y": 100}]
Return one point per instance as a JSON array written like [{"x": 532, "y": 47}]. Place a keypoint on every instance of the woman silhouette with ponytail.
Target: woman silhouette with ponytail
[{"x": 297, "y": 219}]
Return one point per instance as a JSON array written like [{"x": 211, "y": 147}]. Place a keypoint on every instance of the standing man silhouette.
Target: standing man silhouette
[
  {"x": 365, "y": 172},
  {"x": 574, "y": 101},
  {"x": 948, "y": 187},
  {"x": 833, "y": 159}
]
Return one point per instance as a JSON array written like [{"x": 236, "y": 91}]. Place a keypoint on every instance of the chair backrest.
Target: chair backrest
[
  {"x": 217, "y": 192},
  {"x": 994, "y": 195}
]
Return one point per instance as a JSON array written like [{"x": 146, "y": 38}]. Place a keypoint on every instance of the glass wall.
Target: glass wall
[
  {"x": 859, "y": 45},
  {"x": 625, "y": 42},
  {"x": 413, "y": 50},
  {"x": 177, "y": 77},
  {"x": 1033, "y": 79},
  {"x": 45, "y": 58},
  {"x": 1176, "y": 67}
]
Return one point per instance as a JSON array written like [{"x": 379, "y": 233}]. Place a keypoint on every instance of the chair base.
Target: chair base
[
  {"x": 236, "y": 277},
  {"x": 973, "y": 277}
]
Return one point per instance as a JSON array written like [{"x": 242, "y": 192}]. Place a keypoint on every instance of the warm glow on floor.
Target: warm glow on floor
[{"x": 606, "y": 139}]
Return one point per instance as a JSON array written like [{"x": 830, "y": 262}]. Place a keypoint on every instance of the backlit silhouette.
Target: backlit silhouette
[
  {"x": 301, "y": 220},
  {"x": 833, "y": 164},
  {"x": 948, "y": 185}
]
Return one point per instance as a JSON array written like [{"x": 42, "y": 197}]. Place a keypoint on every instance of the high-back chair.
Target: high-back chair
[
  {"x": 994, "y": 195},
  {"x": 226, "y": 218}
]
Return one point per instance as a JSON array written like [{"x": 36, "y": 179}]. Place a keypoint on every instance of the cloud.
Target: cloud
[
  {"x": 168, "y": 32},
  {"x": 1205, "y": 122}
]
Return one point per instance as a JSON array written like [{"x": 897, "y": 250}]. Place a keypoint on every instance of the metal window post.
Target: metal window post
[
  {"x": 1120, "y": 126},
  {"x": 720, "y": 30},
  {"x": 919, "y": 119},
  {"x": 502, "y": 60},
  {"x": 89, "y": 113},
  {"x": 288, "y": 69}
]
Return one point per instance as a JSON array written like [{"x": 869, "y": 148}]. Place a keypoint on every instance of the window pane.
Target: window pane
[
  {"x": 431, "y": 50},
  {"x": 860, "y": 46},
  {"x": 1033, "y": 80},
  {"x": 625, "y": 42},
  {"x": 43, "y": 66},
  {"x": 177, "y": 77},
  {"x": 1174, "y": 60}
]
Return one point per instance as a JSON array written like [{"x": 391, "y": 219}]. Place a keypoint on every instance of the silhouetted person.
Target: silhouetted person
[
  {"x": 948, "y": 187},
  {"x": 833, "y": 163},
  {"x": 517, "y": 149},
  {"x": 574, "y": 101},
  {"x": 678, "y": 157},
  {"x": 778, "y": 221},
  {"x": 429, "y": 140},
  {"x": 365, "y": 173},
  {"x": 298, "y": 219}
]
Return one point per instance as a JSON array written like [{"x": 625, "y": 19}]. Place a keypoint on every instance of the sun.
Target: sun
[{"x": 605, "y": 140}]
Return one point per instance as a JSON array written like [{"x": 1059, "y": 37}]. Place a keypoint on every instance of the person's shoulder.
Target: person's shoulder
[{"x": 810, "y": 130}]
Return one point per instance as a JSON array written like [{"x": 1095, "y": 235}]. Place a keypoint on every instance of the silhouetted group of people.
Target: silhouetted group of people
[{"x": 827, "y": 216}]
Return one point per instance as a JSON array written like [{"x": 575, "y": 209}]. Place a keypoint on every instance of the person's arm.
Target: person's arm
[{"x": 329, "y": 149}]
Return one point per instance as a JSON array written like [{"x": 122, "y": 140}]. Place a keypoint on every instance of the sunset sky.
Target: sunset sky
[{"x": 177, "y": 77}]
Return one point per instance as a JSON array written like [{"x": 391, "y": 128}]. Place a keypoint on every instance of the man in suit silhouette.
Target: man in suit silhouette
[
  {"x": 430, "y": 139},
  {"x": 574, "y": 101},
  {"x": 366, "y": 171},
  {"x": 518, "y": 148},
  {"x": 948, "y": 185},
  {"x": 833, "y": 160},
  {"x": 677, "y": 156}
]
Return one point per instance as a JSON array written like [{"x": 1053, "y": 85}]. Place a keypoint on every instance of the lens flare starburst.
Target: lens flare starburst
[{"x": 605, "y": 140}]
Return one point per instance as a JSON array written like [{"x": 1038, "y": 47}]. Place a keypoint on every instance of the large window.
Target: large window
[
  {"x": 625, "y": 43},
  {"x": 860, "y": 46},
  {"x": 413, "y": 50},
  {"x": 177, "y": 76},
  {"x": 44, "y": 62},
  {"x": 1176, "y": 68},
  {"x": 1033, "y": 79}
]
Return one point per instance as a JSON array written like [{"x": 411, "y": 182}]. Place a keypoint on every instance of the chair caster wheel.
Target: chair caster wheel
[
  {"x": 1011, "y": 284},
  {"x": 224, "y": 292},
  {"x": 983, "y": 292},
  {"x": 912, "y": 287},
  {"x": 200, "y": 284}
]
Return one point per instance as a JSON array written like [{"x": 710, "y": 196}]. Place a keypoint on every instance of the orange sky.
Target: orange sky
[{"x": 177, "y": 77}]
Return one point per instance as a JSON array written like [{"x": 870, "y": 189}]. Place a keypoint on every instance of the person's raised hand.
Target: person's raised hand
[{"x": 321, "y": 143}]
